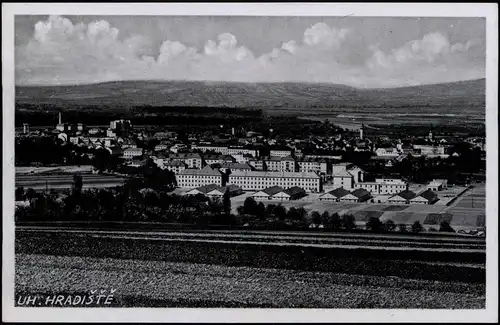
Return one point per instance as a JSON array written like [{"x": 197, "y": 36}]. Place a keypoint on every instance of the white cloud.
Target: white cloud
[
  {"x": 62, "y": 52},
  {"x": 431, "y": 59}
]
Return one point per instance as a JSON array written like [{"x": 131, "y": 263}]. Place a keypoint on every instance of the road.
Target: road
[{"x": 39, "y": 182}]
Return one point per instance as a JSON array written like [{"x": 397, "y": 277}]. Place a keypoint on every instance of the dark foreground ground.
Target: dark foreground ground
[{"x": 178, "y": 272}]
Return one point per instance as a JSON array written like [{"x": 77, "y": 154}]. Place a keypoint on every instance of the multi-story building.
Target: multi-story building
[
  {"x": 121, "y": 125},
  {"x": 280, "y": 152},
  {"x": 175, "y": 166},
  {"x": 193, "y": 178},
  {"x": 162, "y": 146},
  {"x": 319, "y": 166},
  {"x": 128, "y": 144},
  {"x": 288, "y": 164},
  {"x": 192, "y": 160},
  {"x": 272, "y": 163},
  {"x": 430, "y": 150},
  {"x": 130, "y": 153},
  {"x": 233, "y": 167},
  {"x": 204, "y": 148},
  {"x": 243, "y": 150},
  {"x": 258, "y": 180},
  {"x": 256, "y": 163},
  {"x": 387, "y": 152},
  {"x": 346, "y": 175},
  {"x": 211, "y": 159},
  {"x": 164, "y": 135},
  {"x": 383, "y": 186}
]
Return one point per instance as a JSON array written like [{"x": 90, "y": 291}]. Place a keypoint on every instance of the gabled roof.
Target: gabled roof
[
  {"x": 361, "y": 193},
  {"x": 184, "y": 155},
  {"x": 342, "y": 174},
  {"x": 339, "y": 192},
  {"x": 207, "y": 188},
  {"x": 272, "y": 190},
  {"x": 406, "y": 194},
  {"x": 294, "y": 190},
  {"x": 175, "y": 163},
  {"x": 236, "y": 166},
  {"x": 429, "y": 195},
  {"x": 206, "y": 171}
]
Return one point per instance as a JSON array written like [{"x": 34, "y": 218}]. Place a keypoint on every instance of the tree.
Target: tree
[
  {"x": 250, "y": 206},
  {"x": 19, "y": 194},
  {"x": 240, "y": 210},
  {"x": 77, "y": 185},
  {"x": 226, "y": 201},
  {"x": 348, "y": 222},
  {"x": 445, "y": 226},
  {"x": 417, "y": 227},
  {"x": 301, "y": 213},
  {"x": 293, "y": 214},
  {"x": 280, "y": 212},
  {"x": 325, "y": 218},
  {"x": 374, "y": 224},
  {"x": 389, "y": 226},
  {"x": 30, "y": 194},
  {"x": 270, "y": 209},
  {"x": 316, "y": 218},
  {"x": 261, "y": 211},
  {"x": 402, "y": 228}
]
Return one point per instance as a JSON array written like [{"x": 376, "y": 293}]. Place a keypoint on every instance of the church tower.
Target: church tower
[{"x": 361, "y": 131}]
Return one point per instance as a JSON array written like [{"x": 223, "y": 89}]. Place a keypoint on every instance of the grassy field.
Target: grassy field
[
  {"x": 465, "y": 210},
  {"x": 359, "y": 258},
  {"x": 254, "y": 268},
  {"x": 168, "y": 284}
]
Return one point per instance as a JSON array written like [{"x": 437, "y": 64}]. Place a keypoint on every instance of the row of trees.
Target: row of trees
[{"x": 135, "y": 203}]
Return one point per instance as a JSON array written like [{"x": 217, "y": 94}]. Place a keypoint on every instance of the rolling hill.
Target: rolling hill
[{"x": 468, "y": 95}]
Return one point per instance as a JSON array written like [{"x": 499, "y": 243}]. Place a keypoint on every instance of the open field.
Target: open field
[
  {"x": 464, "y": 210},
  {"x": 396, "y": 257},
  {"x": 253, "y": 268},
  {"x": 163, "y": 284}
]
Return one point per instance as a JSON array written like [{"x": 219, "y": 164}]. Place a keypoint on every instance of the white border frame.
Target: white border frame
[{"x": 487, "y": 10}]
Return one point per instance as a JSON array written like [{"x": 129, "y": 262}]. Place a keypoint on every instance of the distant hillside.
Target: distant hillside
[{"x": 466, "y": 94}]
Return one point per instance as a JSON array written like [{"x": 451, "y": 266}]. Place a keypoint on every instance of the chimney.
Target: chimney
[{"x": 60, "y": 118}]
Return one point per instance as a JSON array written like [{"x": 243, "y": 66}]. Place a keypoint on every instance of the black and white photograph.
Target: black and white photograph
[{"x": 179, "y": 158}]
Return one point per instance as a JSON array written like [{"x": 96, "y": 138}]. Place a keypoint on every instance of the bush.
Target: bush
[
  {"x": 402, "y": 228},
  {"x": 348, "y": 222},
  {"x": 445, "y": 226},
  {"x": 374, "y": 225},
  {"x": 417, "y": 227},
  {"x": 389, "y": 226}
]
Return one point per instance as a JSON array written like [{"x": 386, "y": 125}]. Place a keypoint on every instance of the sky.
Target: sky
[{"x": 365, "y": 52}]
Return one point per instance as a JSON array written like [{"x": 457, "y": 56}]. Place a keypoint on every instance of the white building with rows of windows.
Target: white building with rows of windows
[
  {"x": 280, "y": 152},
  {"x": 258, "y": 180},
  {"x": 193, "y": 178},
  {"x": 383, "y": 186}
]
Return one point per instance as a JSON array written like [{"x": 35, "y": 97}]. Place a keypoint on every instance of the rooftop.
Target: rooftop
[
  {"x": 207, "y": 188},
  {"x": 339, "y": 192},
  {"x": 275, "y": 174},
  {"x": 272, "y": 190},
  {"x": 406, "y": 194},
  {"x": 361, "y": 193},
  {"x": 295, "y": 190},
  {"x": 206, "y": 171}
]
